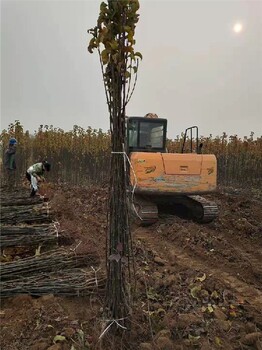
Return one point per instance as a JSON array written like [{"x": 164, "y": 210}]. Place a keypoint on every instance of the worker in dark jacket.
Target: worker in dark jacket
[
  {"x": 9, "y": 160},
  {"x": 10, "y": 164},
  {"x": 35, "y": 173}
]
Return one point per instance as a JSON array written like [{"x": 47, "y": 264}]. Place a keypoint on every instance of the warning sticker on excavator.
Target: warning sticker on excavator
[
  {"x": 150, "y": 169},
  {"x": 141, "y": 161},
  {"x": 210, "y": 170}
]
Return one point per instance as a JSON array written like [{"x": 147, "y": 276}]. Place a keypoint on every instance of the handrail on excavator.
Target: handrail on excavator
[{"x": 191, "y": 139}]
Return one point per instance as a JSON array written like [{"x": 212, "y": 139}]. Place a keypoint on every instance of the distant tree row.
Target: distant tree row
[{"x": 81, "y": 156}]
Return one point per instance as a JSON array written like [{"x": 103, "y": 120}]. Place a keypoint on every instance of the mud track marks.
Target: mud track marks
[{"x": 175, "y": 255}]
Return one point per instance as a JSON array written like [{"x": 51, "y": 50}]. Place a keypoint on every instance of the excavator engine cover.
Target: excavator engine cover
[{"x": 173, "y": 174}]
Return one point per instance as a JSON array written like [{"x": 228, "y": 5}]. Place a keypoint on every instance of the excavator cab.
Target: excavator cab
[
  {"x": 146, "y": 135},
  {"x": 160, "y": 177}
]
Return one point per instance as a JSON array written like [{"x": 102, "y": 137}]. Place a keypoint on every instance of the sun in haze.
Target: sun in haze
[{"x": 238, "y": 27}]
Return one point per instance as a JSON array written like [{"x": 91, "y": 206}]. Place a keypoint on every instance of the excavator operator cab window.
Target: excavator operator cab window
[{"x": 146, "y": 135}]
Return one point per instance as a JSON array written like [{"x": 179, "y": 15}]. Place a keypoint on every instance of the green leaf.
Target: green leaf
[
  {"x": 218, "y": 341},
  {"x": 194, "y": 339},
  {"x": 103, "y": 6},
  {"x": 92, "y": 45},
  {"x": 115, "y": 57},
  {"x": 215, "y": 295},
  {"x": 135, "y": 5},
  {"x": 81, "y": 334},
  {"x": 210, "y": 308},
  {"x": 160, "y": 311},
  {"x": 152, "y": 295},
  {"x": 59, "y": 338},
  {"x": 138, "y": 54},
  {"x": 114, "y": 45},
  {"x": 128, "y": 49},
  {"x": 130, "y": 36},
  {"x": 105, "y": 56},
  {"x": 202, "y": 278},
  {"x": 195, "y": 291},
  {"x": 127, "y": 28},
  {"x": 131, "y": 55}
]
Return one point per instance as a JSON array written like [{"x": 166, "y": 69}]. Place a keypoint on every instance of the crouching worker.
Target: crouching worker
[{"x": 35, "y": 173}]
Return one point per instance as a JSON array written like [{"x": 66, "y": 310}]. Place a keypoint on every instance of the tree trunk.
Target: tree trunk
[{"x": 117, "y": 298}]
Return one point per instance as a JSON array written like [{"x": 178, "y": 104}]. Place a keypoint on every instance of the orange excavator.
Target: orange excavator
[{"x": 160, "y": 178}]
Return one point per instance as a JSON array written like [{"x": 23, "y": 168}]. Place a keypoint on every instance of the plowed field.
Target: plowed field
[{"x": 197, "y": 286}]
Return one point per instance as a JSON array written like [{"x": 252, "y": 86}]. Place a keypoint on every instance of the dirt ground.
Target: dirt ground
[{"x": 198, "y": 286}]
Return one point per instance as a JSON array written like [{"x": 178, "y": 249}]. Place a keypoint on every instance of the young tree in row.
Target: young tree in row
[{"x": 113, "y": 37}]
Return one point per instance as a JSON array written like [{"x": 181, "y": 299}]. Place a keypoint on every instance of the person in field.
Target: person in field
[
  {"x": 9, "y": 160},
  {"x": 10, "y": 163},
  {"x": 35, "y": 174}
]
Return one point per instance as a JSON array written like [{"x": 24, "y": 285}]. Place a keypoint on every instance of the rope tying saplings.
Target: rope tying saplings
[
  {"x": 74, "y": 249},
  {"x": 56, "y": 226},
  {"x": 109, "y": 323},
  {"x": 47, "y": 209},
  {"x": 95, "y": 272},
  {"x": 119, "y": 63},
  {"x": 135, "y": 184}
]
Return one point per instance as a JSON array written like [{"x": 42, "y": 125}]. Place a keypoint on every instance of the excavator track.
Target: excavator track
[
  {"x": 144, "y": 211},
  {"x": 203, "y": 210}
]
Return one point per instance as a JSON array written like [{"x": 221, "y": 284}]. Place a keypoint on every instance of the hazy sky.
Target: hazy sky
[{"x": 195, "y": 68}]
